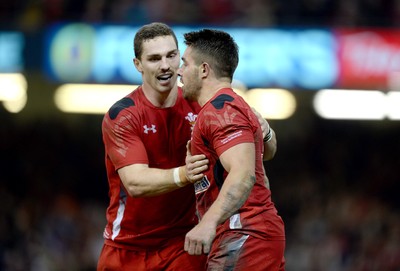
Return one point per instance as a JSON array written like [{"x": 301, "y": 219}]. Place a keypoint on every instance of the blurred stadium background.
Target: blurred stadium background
[{"x": 335, "y": 180}]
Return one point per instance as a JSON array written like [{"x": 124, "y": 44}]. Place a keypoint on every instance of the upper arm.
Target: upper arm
[
  {"x": 240, "y": 157},
  {"x": 122, "y": 143},
  {"x": 239, "y": 162}
]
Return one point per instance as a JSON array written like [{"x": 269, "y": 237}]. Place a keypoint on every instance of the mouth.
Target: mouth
[{"x": 164, "y": 78}]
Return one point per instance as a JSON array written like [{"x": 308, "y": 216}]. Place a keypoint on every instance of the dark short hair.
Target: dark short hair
[
  {"x": 148, "y": 32},
  {"x": 215, "y": 47}
]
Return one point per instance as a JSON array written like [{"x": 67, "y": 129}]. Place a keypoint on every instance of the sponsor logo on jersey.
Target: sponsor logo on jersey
[
  {"x": 147, "y": 129},
  {"x": 231, "y": 136},
  {"x": 202, "y": 185}
]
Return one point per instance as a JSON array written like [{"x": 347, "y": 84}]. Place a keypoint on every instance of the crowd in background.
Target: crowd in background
[
  {"x": 335, "y": 183},
  {"x": 33, "y": 14}
]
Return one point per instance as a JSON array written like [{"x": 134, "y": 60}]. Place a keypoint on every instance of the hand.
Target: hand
[
  {"x": 199, "y": 239},
  {"x": 263, "y": 122},
  {"x": 195, "y": 165}
]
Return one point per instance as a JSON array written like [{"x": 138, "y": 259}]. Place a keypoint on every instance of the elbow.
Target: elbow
[
  {"x": 132, "y": 185},
  {"x": 133, "y": 190},
  {"x": 135, "y": 193}
]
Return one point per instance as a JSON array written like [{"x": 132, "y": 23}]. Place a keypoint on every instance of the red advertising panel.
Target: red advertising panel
[{"x": 368, "y": 58}]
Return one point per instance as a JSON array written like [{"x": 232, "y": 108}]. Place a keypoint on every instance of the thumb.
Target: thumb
[{"x": 188, "y": 146}]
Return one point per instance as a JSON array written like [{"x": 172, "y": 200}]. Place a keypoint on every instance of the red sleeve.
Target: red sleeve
[
  {"x": 227, "y": 128},
  {"x": 122, "y": 144}
]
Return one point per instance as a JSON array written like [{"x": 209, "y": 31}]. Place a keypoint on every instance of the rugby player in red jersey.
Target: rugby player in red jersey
[{"x": 239, "y": 226}]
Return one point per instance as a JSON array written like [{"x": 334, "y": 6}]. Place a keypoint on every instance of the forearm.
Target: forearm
[
  {"x": 239, "y": 162},
  {"x": 142, "y": 181},
  {"x": 231, "y": 198}
]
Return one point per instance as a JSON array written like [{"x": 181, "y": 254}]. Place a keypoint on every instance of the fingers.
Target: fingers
[
  {"x": 200, "y": 238},
  {"x": 206, "y": 248},
  {"x": 196, "y": 247},
  {"x": 194, "y": 170},
  {"x": 195, "y": 165},
  {"x": 264, "y": 126},
  {"x": 193, "y": 158},
  {"x": 187, "y": 244},
  {"x": 193, "y": 247},
  {"x": 263, "y": 122},
  {"x": 198, "y": 160}
]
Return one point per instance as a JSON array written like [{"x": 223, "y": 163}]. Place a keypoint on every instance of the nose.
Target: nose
[{"x": 165, "y": 64}]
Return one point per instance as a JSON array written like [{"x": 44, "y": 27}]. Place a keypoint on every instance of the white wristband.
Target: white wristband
[{"x": 177, "y": 179}]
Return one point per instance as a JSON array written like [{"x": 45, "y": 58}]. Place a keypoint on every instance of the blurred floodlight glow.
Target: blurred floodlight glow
[
  {"x": 97, "y": 99},
  {"x": 272, "y": 103},
  {"x": 13, "y": 88},
  {"x": 350, "y": 104},
  {"x": 393, "y": 105},
  {"x": 15, "y": 106},
  {"x": 90, "y": 99}
]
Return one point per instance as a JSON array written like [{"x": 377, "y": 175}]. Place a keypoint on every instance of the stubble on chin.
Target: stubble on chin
[{"x": 187, "y": 95}]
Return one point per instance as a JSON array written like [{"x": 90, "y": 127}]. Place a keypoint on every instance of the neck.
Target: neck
[
  {"x": 209, "y": 90},
  {"x": 162, "y": 99}
]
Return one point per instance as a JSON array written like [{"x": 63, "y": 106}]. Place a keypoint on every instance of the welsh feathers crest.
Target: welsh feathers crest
[{"x": 191, "y": 118}]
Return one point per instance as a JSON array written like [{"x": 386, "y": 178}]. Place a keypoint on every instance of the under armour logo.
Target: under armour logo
[{"x": 147, "y": 129}]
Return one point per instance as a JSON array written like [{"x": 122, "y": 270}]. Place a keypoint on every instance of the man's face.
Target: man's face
[
  {"x": 159, "y": 63},
  {"x": 190, "y": 76}
]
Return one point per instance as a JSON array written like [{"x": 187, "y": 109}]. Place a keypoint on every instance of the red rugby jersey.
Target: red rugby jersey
[
  {"x": 135, "y": 131},
  {"x": 224, "y": 121}
]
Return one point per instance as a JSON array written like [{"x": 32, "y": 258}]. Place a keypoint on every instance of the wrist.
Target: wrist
[
  {"x": 269, "y": 135},
  {"x": 177, "y": 177}
]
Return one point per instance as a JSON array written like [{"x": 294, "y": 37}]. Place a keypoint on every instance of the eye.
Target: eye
[
  {"x": 154, "y": 58},
  {"x": 172, "y": 55}
]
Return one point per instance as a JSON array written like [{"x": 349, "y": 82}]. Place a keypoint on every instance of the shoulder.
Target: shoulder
[
  {"x": 220, "y": 101},
  {"x": 226, "y": 108},
  {"x": 223, "y": 98},
  {"x": 126, "y": 105},
  {"x": 116, "y": 109},
  {"x": 122, "y": 114}
]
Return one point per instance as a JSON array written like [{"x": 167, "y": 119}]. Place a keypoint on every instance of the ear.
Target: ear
[
  {"x": 138, "y": 65},
  {"x": 204, "y": 69}
]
